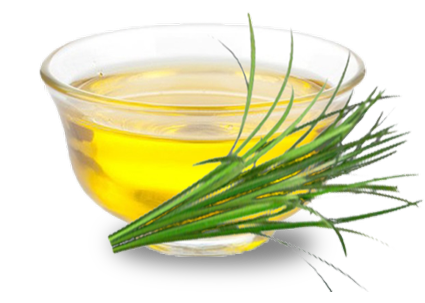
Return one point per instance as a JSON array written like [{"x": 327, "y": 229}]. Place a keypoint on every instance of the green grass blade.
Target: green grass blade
[
  {"x": 217, "y": 177},
  {"x": 238, "y": 197},
  {"x": 357, "y": 163},
  {"x": 308, "y": 148},
  {"x": 333, "y": 188},
  {"x": 237, "y": 60},
  {"x": 307, "y": 124},
  {"x": 322, "y": 114},
  {"x": 196, "y": 229},
  {"x": 312, "y": 255},
  {"x": 276, "y": 101},
  {"x": 361, "y": 234},
  {"x": 343, "y": 112},
  {"x": 281, "y": 136},
  {"x": 276, "y": 174},
  {"x": 192, "y": 215},
  {"x": 348, "y": 163},
  {"x": 320, "y": 276},
  {"x": 198, "y": 225},
  {"x": 259, "y": 181},
  {"x": 263, "y": 141},
  {"x": 328, "y": 223},
  {"x": 372, "y": 214},
  {"x": 226, "y": 159},
  {"x": 250, "y": 84}
]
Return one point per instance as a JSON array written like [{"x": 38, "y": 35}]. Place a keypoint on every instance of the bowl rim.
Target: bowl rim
[{"x": 75, "y": 92}]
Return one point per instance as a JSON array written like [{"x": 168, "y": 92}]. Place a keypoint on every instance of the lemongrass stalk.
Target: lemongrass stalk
[
  {"x": 192, "y": 214},
  {"x": 202, "y": 224},
  {"x": 258, "y": 181},
  {"x": 215, "y": 178},
  {"x": 236, "y": 197},
  {"x": 188, "y": 234},
  {"x": 204, "y": 212},
  {"x": 227, "y": 173},
  {"x": 200, "y": 214},
  {"x": 258, "y": 154}
]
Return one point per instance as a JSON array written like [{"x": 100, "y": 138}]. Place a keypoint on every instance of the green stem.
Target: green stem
[
  {"x": 198, "y": 225},
  {"x": 195, "y": 230},
  {"x": 250, "y": 84},
  {"x": 276, "y": 101},
  {"x": 328, "y": 223}
]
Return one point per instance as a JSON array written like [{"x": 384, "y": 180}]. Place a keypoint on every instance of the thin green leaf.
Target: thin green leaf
[
  {"x": 300, "y": 139},
  {"x": 361, "y": 234},
  {"x": 250, "y": 84},
  {"x": 328, "y": 223},
  {"x": 219, "y": 176},
  {"x": 198, "y": 225},
  {"x": 237, "y": 60},
  {"x": 236, "y": 198},
  {"x": 320, "y": 276},
  {"x": 276, "y": 101},
  {"x": 198, "y": 229},
  {"x": 226, "y": 159},
  {"x": 282, "y": 135},
  {"x": 312, "y": 255}
]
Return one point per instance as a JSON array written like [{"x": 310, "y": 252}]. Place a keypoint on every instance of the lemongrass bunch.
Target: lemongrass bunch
[{"x": 239, "y": 196}]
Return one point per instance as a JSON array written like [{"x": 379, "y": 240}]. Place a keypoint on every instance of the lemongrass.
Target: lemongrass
[{"x": 239, "y": 196}]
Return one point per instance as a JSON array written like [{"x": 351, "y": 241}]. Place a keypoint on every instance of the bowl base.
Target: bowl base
[{"x": 211, "y": 247}]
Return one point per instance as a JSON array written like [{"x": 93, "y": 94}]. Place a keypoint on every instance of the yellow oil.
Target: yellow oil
[{"x": 130, "y": 173}]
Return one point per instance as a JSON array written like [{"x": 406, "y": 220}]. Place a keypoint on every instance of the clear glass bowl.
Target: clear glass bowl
[{"x": 128, "y": 184}]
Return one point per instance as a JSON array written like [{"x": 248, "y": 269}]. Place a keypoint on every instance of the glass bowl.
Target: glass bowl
[{"x": 132, "y": 155}]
